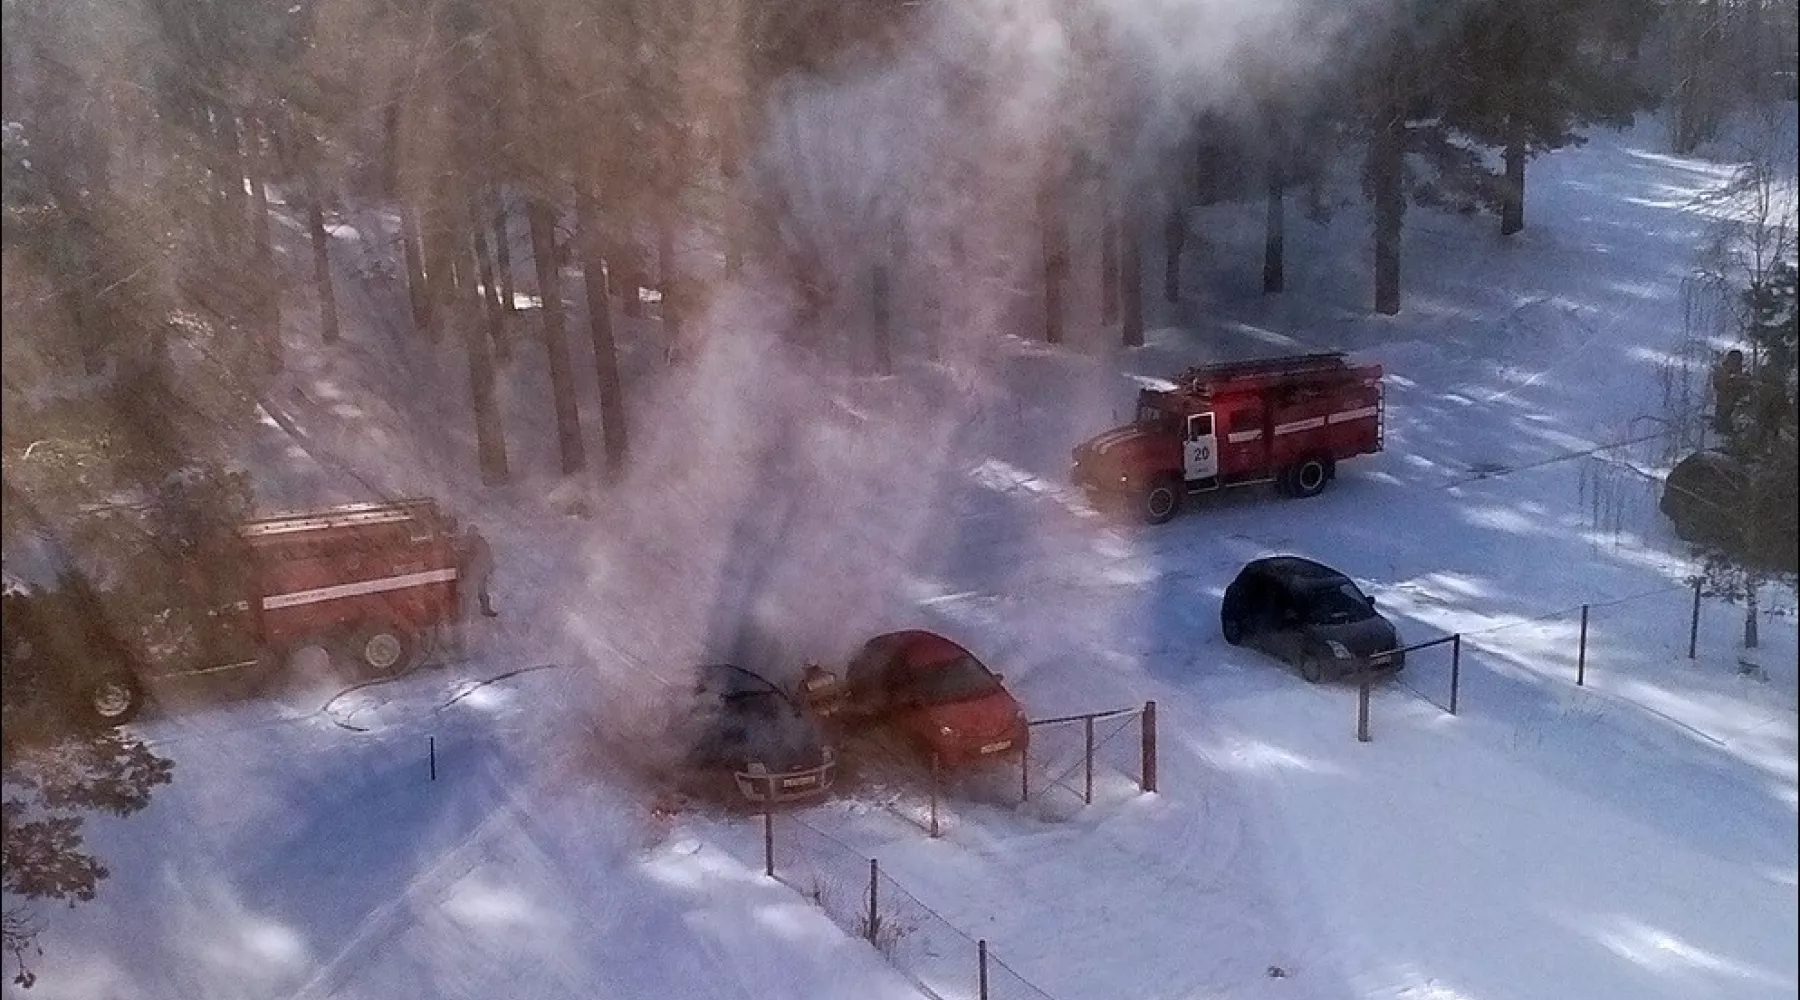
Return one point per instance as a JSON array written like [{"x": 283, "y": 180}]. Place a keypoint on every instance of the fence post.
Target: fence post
[
  {"x": 1694, "y": 621},
  {"x": 431, "y": 754},
  {"x": 768, "y": 842},
  {"x": 1087, "y": 785},
  {"x": 1025, "y": 770},
  {"x": 981, "y": 967},
  {"x": 1455, "y": 668},
  {"x": 1147, "y": 725},
  {"x": 1581, "y": 651},
  {"x": 1362, "y": 711},
  {"x": 934, "y": 794},
  {"x": 874, "y": 890}
]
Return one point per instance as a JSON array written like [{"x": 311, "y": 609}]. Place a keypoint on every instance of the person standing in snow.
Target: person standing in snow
[
  {"x": 1730, "y": 384},
  {"x": 474, "y": 570}
]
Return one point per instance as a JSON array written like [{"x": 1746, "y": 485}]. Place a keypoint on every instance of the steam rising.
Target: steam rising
[{"x": 782, "y": 513}]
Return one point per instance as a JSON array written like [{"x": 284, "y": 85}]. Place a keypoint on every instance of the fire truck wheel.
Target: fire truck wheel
[
  {"x": 1308, "y": 479},
  {"x": 1161, "y": 501},
  {"x": 113, "y": 699},
  {"x": 383, "y": 650}
]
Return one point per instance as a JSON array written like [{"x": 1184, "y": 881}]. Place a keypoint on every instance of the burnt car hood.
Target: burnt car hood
[
  {"x": 1368, "y": 637},
  {"x": 785, "y": 748}
]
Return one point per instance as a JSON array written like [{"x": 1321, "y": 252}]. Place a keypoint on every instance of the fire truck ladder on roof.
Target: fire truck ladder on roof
[
  {"x": 339, "y": 517},
  {"x": 1300, "y": 364}
]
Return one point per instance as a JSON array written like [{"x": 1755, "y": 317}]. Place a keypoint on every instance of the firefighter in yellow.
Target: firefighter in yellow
[{"x": 821, "y": 691}]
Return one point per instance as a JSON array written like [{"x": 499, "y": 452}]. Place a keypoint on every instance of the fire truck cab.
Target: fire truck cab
[{"x": 1286, "y": 421}]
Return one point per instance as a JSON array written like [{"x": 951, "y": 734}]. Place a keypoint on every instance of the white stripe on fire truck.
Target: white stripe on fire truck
[
  {"x": 357, "y": 589},
  {"x": 1310, "y": 423},
  {"x": 1239, "y": 437},
  {"x": 1358, "y": 414}
]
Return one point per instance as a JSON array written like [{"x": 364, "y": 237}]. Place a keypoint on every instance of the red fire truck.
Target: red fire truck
[
  {"x": 368, "y": 581},
  {"x": 1286, "y": 421}
]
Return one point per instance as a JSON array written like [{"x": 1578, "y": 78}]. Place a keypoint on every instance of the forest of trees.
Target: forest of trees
[
  {"x": 145, "y": 142},
  {"x": 142, "y": 141}
]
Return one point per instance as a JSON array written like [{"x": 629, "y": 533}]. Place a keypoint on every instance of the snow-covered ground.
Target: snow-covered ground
[{"x": 1631, "y": 838}]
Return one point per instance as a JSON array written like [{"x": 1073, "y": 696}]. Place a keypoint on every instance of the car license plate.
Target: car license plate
[
  {"x": 1379, "y": 661},
  {"x": 800, "y": 782},
  {"x": 996, "y": 747}
]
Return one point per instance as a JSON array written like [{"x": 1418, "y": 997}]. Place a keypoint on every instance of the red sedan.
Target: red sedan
[{"x": 941, "y": 698}]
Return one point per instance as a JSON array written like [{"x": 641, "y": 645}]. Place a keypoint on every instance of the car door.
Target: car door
[
  {"x": 1283, "y": 638},
  {"x": 869, "y": 678},
  {"x": 1257, "y": 609},
  {"x": 1200, "y": 454}
]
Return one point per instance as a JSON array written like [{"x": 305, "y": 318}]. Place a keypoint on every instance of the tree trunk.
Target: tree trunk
[
  {"x": 1387, "y": 154},
  {"x": 491, "y": 307},
  {"x": 880, "y": 301},
  {"x": 230, "y": 177},
  {"x": 270, "y": 320},
  {"x": 615, "y": 433},
  {"x": 490, "y": 430},
  {"x": 321, "y": 252},
  {"x": 1174, "y": 239},
  {"x": 1750, "y": 615},
  {"x": 503, "y": 259},
  {"x": 1275, "y": 235},
  {"x": 1131, "y": 278},
  {"x": 669, "y": 283},
  {"x": 1512, "y": 190},
  {"x": 1053, "y": 230},
  {"x": 1109, "y": 263},
  {"x": 562, "y": 384},
  {"x": 630, "y": 286},
  {"x": 730, "y": 169},
  {"x": 441, "y": 248},
  {"x": 415, "y": 268}
]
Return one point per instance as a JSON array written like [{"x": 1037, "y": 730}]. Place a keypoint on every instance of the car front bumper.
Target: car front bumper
[{"x": 786, "y": 786}]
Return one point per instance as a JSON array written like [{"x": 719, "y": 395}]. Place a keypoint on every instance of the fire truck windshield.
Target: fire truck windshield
[{"x": 1151, "y": 416}]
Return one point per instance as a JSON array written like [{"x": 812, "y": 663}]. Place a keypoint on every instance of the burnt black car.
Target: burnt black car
[
  {"x": 1311, "y": 616},
  {"x": 748, "y": 739}
]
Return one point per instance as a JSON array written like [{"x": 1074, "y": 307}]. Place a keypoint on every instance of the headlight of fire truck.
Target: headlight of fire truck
[{"x": 1338, "y": 649}]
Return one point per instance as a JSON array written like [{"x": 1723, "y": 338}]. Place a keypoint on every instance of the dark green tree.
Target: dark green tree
[{"x": 1530, "y": 76}]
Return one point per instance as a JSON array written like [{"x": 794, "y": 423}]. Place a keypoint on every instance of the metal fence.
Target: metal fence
[
  {"x": 1580, "y": 644},
  {"x": 935, "y": 955},
  {"x": 1076, "y": 760}
]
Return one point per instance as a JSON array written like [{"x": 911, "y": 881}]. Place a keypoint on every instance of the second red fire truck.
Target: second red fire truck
[{"x": 1286, "y": 421}]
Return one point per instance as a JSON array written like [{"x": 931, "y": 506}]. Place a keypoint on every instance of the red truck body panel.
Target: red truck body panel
[{"x": 325, "y": 571}]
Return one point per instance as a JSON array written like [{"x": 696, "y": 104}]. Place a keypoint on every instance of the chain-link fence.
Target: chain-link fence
[
  {"x": 1597, "y": 645},
  {"x": 936, "y": 956},
  {"x": 1074, "y": 761}
]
